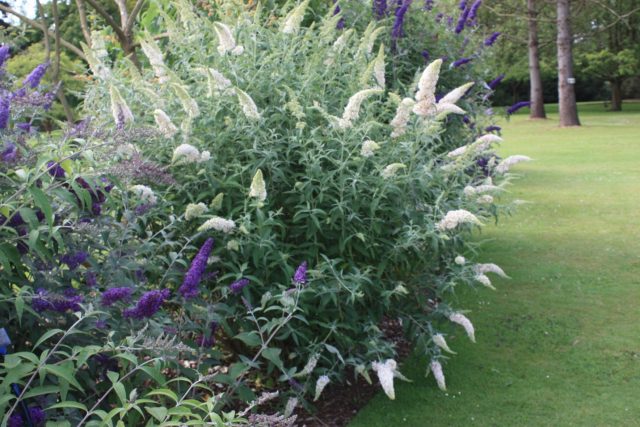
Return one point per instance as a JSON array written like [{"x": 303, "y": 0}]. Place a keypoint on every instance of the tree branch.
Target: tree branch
[
  {"x": 110, "y": 21},
  {"x": 83, "y": 22},
  {"x": 34, "y": 24},
  {"x": 132, "y": 16}
]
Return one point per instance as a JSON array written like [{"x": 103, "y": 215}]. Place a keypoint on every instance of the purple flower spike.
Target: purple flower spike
[
  {"x": 237, "y": 286},
  {"x": 10, "y": 153},
  {"x": 300, "y": 277},
  {"x": 401, "y": 11},
  {"x": 189, "y": 287},
  {"x": 518, "y": 105},
  {"x": 148, "y": 304},
  {"x": 493, "y": 128},
  {"x": 55, "y": 170},
  {"x": 473, "y": 11},
  {"x": 379, "y": 8},
  {"x": 428, "y": 4},
  {"x": 4, "y": 54},
  {"x": 460, "y": 62},
  {"x": 113, "y": 295},
  {"x": 463, "y": 4},
  {"x": 495, "y": 82},
  {"x": 462, "y": 20},
  {"x": 34, "y": 78},
  {"x": 203, "y": 341},
  {"x": 73, "y": 261},
  {"x": 5, "y": 112},
  {"x": 489, "y": 41}
]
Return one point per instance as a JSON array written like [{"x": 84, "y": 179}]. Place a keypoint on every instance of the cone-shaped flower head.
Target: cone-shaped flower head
[
  {"x": 436, "y": 368},
  {"x": 462, "y": 320},
  {"x": 258, "y": 188},
  {"x": 292, "y": 21},
  {"x": 321, "y": 383},
  {"x": 439, "y": 340},
  {"x": 189, "y": 287}
]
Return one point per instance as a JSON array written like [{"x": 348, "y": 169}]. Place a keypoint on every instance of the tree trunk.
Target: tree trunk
[
  {"x": 566, "y": 90},
  {"x": 536, "y": 98},
  {"x": 616, "y": 95}
]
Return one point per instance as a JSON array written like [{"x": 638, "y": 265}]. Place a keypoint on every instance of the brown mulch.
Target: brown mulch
[{"x": 339, "y": 403}]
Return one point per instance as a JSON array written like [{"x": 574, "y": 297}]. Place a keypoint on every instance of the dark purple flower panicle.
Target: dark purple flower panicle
[
  {"x": 55, "y": 170},
  {"x": 101, "y": 324},
  {"x": 300, "y": 277},
  {"x": 34, "y": 78},
  {"x": 210, "y": 341},
  {"x": 189, "y": 287},
  {"x": 473, "y": 10},
  {"x": 336, "y": 10},
  {"x": 518, "y": 105},
  {"x": 5, "y": 112},
  {"x": 4, "y": 54},
  {"x": 74, "y": 260},
  {"x": 425, "y": 54},
  {"x": 495, "y": 82},
  {"x": 401, "y": 11},
  {"x": 10, "y": 153},
  {"x": 489, "y": 41},
  {"x": 463, "y": 4},
  {"x": 37, "y": 416},
  {"x": 148, "y": 304},
  {"x": 428, "y": 4},
  {"x": 460, "y": 62},
  {"x": 90, "y": 279},
  {"x": 493, "y": 128},
  {"x": 439, "y": 17},
  {"x": 15, "y": 420},
  {"x": 237, "y": 286},
  {"x": 69, "y": 300},
  {"x": 462, "y": 20},
  {"x": 379, "y": 9},
  {"x": 24, "y": 126},
  {"x": 113, "y": 295}
]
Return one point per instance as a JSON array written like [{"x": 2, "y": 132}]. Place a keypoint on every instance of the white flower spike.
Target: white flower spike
[
  {"x": 462, "y": 320},
  {"x": 439, "y": 340}
]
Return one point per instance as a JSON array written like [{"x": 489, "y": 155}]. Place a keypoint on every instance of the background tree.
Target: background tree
[
  {"x": 566, "y": 93},
  {"x": 535, "y": 76}
]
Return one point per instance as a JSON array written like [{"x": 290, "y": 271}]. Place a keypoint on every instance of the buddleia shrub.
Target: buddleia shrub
[{"x": 322, "y": 190}]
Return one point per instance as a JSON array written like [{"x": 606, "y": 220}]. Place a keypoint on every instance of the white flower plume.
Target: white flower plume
[
  {"x": 379, "y": 68},
  {"x": 506, "y": 164},
  {"x": 321, "y": 383},
  {"x": 400, "y": 120},
  {"x": 460, "y": 260},
  {"x": 293, "y": 20},
  {"x": 387, "y": 371},
  {"x": 352, "y": 110},
  {"x": 145, "y": 194},
  {"x": 436, "y": 368},
  {"x": 249, "y": 107},
  {"x": 226, "y": 42},
  {"x": 166, "y": 126},
  {"x": 258, "y": 188},
  {"x": 427, "y": 83},
  {"x": 189, "y": 104},
  {"x": 154, "y": 54},
  {"x": 392, "y": 169},
  {"x": 489, "y": 268},
  {"x": 309, "y": 367},
  {"x": 462, "y": 320},
  {"x": 485, "y": 281},
  {"x": 456, "y": 217},
  {"x": 368, "y": 148},
  {"x": 439, "y": 340},
  {"x": 455, "y": 95},
  {"x": 186, "y": 153},
  {"x": 119, "y": 108},
  {"x": 219, "y": 224},
  {"x": 194, "y": 210}
]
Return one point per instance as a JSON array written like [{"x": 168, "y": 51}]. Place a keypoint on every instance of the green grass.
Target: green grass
[{"x": 559, "y": 343}]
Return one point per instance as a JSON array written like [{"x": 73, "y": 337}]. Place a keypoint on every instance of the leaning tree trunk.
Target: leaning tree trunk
[
  {"x": 536, "y": 97},
  {"x": 566, "y": 90},
  {"x": 616, "y": 95}
]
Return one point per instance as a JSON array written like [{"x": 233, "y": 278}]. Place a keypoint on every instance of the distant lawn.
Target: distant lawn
[{"x": 559, "y": 343}]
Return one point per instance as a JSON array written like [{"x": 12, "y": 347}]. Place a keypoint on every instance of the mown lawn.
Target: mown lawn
[{"x": 559, "y": 343}]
